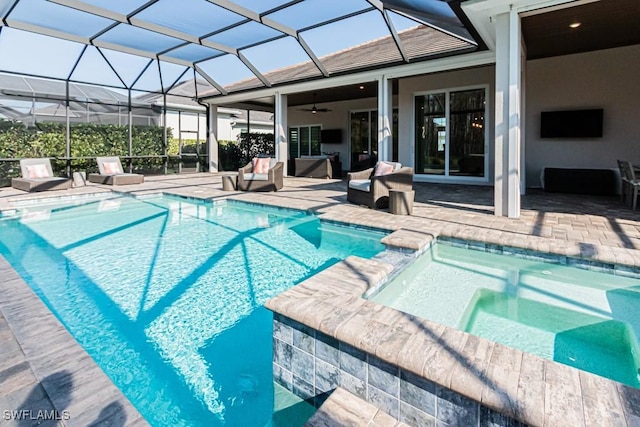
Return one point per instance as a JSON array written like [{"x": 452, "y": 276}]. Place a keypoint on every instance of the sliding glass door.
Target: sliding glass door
[
  {"x": 451, "y": 133},
  {"x": 364, "y": 138}
]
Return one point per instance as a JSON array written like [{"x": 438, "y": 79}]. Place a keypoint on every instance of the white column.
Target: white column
[
  {"x": 281, "y": 136},
  {"x": 212, "y": 138},
  {"x": 508, "y": 115},
  {"x": 385, "y": 119}
]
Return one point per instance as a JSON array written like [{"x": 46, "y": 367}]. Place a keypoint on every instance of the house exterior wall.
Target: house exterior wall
[
  {"x": 602, "y": 79},
  {"x": 189, "y": 122},
  {"x": 483, "y": 76},
  {"x": 228, "y": 127},
  {"x": 337, "y": 118}
]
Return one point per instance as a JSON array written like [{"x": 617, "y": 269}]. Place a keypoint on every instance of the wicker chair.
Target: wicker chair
[
  {"x": 363, "y": 188},
  {"x": 273, "y": 181}
]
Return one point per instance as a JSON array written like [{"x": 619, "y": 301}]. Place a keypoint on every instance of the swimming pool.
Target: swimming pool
[
  {"x": 581, "y": 318},
  {"x": 166, "y": 294}
]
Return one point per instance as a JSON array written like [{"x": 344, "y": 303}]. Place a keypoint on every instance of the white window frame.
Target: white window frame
[
  {"x": 299, "y": 127},
  {"x": 420, "y": 177}
]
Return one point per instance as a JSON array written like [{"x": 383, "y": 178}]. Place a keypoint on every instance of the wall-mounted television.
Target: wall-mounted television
[
  {"x": 331, "y": 136},
  {"x": 571, "y": 124}
]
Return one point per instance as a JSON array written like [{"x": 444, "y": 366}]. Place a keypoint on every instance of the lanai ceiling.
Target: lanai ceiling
[{"x": 604, "y": 24}]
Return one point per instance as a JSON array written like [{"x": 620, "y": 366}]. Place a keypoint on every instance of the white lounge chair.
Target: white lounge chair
[
  {"x": 37, "y": 175},
  {"x": 111, "y": 173}
]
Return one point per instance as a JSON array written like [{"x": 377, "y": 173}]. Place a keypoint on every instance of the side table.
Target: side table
[
  {"x": 401, "y": 202},
  {"x": 79, "y": 179},
  {"x": 229, "y": 182}
]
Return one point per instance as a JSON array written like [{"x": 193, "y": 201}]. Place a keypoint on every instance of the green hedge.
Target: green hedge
[
  {"x": 91, "y": 140},
  {"x": 86, "y": 140},
  {"x": 253, "y": 144}
]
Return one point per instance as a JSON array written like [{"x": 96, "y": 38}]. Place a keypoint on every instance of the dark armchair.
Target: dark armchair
[
  {"x": 271, "y": 181},
  {"x": 363, "y": 188}
]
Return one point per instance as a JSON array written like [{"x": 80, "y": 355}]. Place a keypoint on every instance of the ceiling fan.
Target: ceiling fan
[{"x": 315, "y": 109}]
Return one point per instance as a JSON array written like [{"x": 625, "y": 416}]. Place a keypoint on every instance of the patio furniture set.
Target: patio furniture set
[{"x": 386, "y": 185}]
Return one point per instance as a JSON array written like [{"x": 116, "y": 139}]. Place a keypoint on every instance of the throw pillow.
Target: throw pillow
[
  {"x": 37, "y": 171},
  {"x": 383, "y": 168},
  {"x": 261, "y": 164},
  {"x": 111, "y": 168}
]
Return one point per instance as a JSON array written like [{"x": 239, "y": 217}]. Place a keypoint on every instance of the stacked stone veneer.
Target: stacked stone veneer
[{"x": 312, "y": 364}]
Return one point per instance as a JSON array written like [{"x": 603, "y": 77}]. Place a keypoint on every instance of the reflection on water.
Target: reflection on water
[
  {"x": 582, "y": 318},
  {"x": 166, "y": 295},
  {"x": 591, "y": 343}
]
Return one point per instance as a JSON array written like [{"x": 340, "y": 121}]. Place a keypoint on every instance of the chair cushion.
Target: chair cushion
[
  {"x": 260, "y": 165},
  {"x": 382, "y": 168},
  {"x": 37, "y": 171},
  {"x": 360, "y": 184},
  {"x": 256, "y": 177},
  {"x": 111, "y": 168}
]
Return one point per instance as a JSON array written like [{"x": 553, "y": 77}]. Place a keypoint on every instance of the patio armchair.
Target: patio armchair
[
  {"x": 111, "y": 173},
  {"x": 371, "y": 190},
  {"x": 630, "y": 184},
  {"x": 37, "y": 175},
  {"x": 261, "y": 174}
]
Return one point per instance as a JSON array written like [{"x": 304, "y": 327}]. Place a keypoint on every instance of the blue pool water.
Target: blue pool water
[
  {"x": 167, "y": 294},
  {"x": 581, "y": 318}
]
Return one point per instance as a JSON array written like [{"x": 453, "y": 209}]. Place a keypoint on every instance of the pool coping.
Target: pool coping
[
  {"x": 523, "y": 386},
  {"x": 56, "y": 373}
]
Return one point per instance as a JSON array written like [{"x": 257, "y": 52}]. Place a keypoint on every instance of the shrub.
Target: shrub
[
  {"x": 252, "y": 144},
  {"x": 48, "y": 139}
]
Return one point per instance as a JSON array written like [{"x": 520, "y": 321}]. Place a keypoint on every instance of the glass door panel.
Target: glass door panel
[
  {"x": 304, "y": 141},
  {"x": 373, "y": 137},
  {"x": 315, "y": 140},
  {"x": 394, "y": 133},
  {"x": 466, "y": 136},
  {"x": 360, "y": 140},
  {"x": 431, "y": 134}
]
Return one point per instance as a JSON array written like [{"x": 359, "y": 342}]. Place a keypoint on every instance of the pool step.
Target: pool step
[{"x": 344, "y": 409}]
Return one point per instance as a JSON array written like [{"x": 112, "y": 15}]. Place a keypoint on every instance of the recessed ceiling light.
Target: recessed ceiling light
[{"x": 575, "y": 24}]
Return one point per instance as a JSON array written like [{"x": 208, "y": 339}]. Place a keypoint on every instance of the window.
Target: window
[
  {"x": 304, "y": 141},
  {"x": 451, "y": 133}
]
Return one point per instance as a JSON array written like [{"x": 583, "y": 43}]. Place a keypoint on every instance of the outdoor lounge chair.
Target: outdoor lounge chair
[
  {"x": 37, "y": 175},
  {"x": 252, "y": 177},
  {"x": 111, "y": 173},
  {"x": 367, "y": 188}
]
